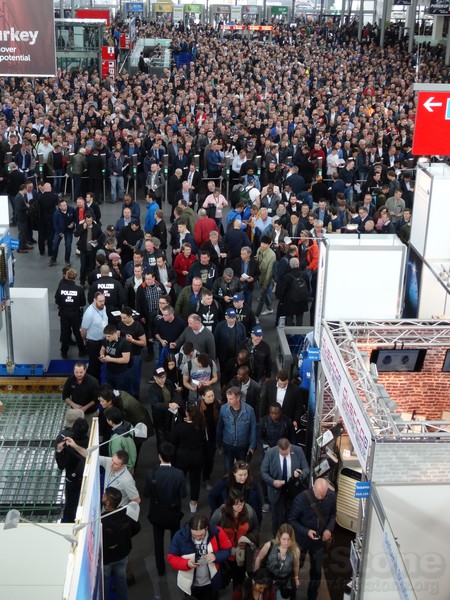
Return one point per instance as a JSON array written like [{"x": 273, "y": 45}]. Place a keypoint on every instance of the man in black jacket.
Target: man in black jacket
[
  {"x": 113, "y": 291},
  {"x": 313, "y": 517},
  {"x": 89, "y": 235},
  {"x": 117, "y": 531},
  {"x": 166, "y": 487},
  {"x": 70, "y": 299},
  {"x": 166, "y": 403},
  {"x": 260, "y": 356},
  {"x": 68, "y": 459},
  {"x": 289, "y": 396}
]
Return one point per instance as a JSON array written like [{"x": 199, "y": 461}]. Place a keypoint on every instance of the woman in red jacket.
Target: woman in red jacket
[
  {"x": 309, "y": 261},
  {"x": 183, "y": 263},
  {"x": 238, "y": 520}
]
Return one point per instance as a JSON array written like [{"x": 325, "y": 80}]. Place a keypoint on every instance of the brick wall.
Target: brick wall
[{"x": 426, "y": 392}]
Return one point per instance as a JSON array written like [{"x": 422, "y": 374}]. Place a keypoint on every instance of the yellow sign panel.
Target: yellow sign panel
[{"x": 164, "y": 8}]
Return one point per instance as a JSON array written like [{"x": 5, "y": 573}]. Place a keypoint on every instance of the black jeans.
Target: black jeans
[
  {"x": 158, "y": 538},
  {"x": 87, "y": 264},
  {"x": 203, "y": 593},
  {"x": 70, "y": 322},
  {"x": 95, "y": 366},
  {"x": 73, "y": 489},
  {"x": 316, "y": 558}
]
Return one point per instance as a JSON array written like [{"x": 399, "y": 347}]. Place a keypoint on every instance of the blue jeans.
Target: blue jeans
[
  {"x": 117, "y": 187},
  {"x": 68, "y": 237},
  {"x": 348, "y": 193},
  {"x": 56, "y": 181},
  {"x": 119, "y": 571},
  {"x": 233, "y": 453},
  {"x": 119, "y": 381}
]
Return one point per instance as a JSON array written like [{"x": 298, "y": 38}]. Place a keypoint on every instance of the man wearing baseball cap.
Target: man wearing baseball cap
[
  {"x": 166, "y": 404},
  {"x": 260, "y": 355},
  {"x": 244, "y": 312},
  {"x": 229, "y": 334}
]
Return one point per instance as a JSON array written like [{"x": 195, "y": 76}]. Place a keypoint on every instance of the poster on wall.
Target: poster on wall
[
  {"x": 412, "y": 285},
  {"x": 439, "y": 7},
  {"x": 346, "y": 399},
  {"x": 27, "y": 38}
]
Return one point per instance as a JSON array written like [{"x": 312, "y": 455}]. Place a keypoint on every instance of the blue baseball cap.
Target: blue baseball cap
[
  {"x": 257, "y": 331},
  {"x": 238, "y": 297},
  {"x": 230, "y": 312}
]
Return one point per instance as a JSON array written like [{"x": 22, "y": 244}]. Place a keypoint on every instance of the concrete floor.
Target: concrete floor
[{"x": 32, "y": 270}]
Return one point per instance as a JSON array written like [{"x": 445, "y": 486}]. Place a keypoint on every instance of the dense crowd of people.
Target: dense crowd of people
[{"x": 272, "y": 144}]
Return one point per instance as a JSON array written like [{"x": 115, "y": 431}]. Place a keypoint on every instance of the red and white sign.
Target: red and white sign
[
  {"x": 432, "y": 127},
  {"x": 108, "y": 69},
  {"x": 124, "y": 41},
  {"x": 98, "y": 14},
  {"x": 108, "y": 53}
]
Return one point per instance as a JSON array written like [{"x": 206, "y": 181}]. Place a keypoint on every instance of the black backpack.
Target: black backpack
[{"x": 298, "y": 291}]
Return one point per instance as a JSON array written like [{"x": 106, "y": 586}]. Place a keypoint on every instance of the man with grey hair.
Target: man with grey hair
[
  {"x": 293, "y": 294},
  {"x": 203, "y": 227},
  {"x": 201, "y": 337}
]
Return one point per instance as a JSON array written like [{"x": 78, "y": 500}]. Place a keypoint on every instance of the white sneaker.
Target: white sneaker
[
  {"x": 265, "y": 507},
  {"x": 268, "y": 311},
  {"x": 193, "y": 507}
]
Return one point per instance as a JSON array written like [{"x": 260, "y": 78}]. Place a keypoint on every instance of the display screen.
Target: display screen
[
  {"x": 446, "y": 365},
  {"x": 398, "y": 360}
]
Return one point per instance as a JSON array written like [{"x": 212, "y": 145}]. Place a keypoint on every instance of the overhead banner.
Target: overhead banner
[
  {"x": 439, "y": 7},
  {"x": 345, "y": 398},
  {"x": 27, "y": 38}
]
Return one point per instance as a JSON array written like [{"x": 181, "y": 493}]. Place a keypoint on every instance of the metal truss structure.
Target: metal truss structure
[{"x": 352, "y": 339}]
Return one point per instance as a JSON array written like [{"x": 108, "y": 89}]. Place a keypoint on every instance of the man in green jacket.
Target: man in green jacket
[{"x": 265, "y": 258}]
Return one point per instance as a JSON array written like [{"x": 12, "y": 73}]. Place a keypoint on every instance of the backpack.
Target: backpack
[{"x": 298, "y": 291}]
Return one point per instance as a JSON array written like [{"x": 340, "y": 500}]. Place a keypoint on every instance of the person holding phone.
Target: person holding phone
[{"x": 196, "y": 551}]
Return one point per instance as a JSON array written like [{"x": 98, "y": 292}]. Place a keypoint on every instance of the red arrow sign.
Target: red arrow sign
[{"x": 432, "y": 128}]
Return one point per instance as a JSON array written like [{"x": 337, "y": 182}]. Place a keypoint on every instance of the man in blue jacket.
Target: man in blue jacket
[
  {"x": 64, "y": 220},
  {"x": 236, "y": 429},
  {"x": 150, "y": 220}
]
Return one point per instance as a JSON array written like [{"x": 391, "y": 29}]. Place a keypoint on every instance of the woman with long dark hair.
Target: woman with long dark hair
[
  {"x": 209, "y": 407},
  {"x": 238, "y": 520},
  {"x": 189, "y": 439},
  {"x": 257, "y": 587},
  {"x": 240, "y": 479}
]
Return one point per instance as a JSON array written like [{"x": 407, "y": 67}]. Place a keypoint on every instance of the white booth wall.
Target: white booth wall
[
  {"x": 33, "y": 562},
  {"x": 430, "y": 240},
  {"x": 30, "y": 325},
  {"x": 417, "y": 516},
  {"x": 359, "y": 278}
]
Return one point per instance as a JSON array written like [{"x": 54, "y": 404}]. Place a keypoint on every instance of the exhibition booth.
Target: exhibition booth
[
  {"x": 386, "y": 384},
  {"x": 57, "y": 567},
  {"x": 428, "y": 269}
]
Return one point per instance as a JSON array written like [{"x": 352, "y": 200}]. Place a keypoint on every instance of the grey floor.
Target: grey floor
[{"x": 32, "y": 270}]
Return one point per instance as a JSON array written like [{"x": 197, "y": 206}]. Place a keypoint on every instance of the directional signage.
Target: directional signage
[
  {"x": 432, "y": 128},
  {"x": 362, "y": 489}
]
